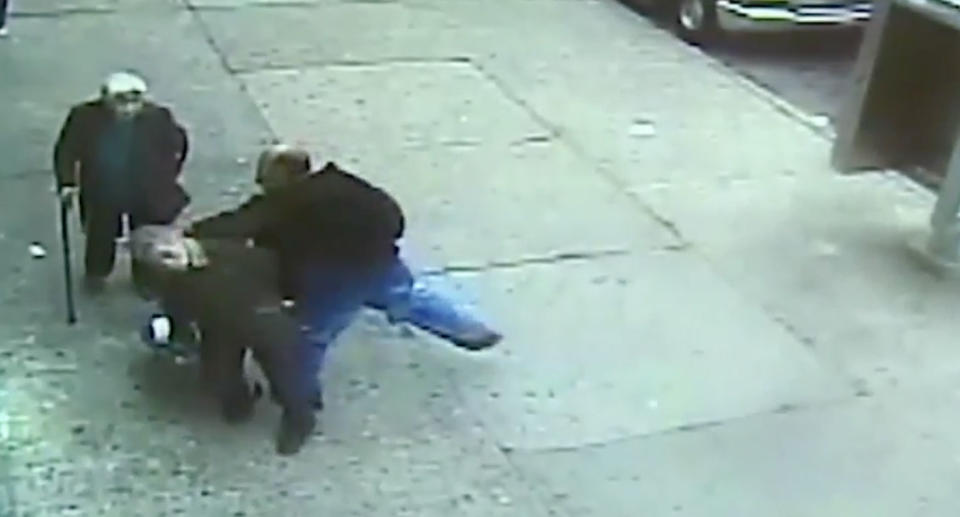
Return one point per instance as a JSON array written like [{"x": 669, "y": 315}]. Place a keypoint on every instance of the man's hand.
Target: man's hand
[{"x": 68, "y": 193}]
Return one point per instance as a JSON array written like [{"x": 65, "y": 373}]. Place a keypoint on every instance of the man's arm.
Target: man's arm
[
  {"x": 245, "y": 222},
  {"x": 181, "y": 142},
  {"x": 182, "y": 146},
  {"x": 177, "y": 139},
  {"x": 397, "y": 219},
  {"x": 66, "y": 151}
]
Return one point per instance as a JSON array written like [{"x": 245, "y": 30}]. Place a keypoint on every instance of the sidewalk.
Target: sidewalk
[{"x": 703, "y": 319}]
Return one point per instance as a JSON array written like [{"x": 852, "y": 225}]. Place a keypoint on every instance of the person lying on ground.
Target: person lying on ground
[{"x": 229, "y": 291}]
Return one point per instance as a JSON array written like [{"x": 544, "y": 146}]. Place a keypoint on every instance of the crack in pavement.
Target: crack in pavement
[
  {"x": 557, "y": 133},
  {"x": 211, "y": 41},
  {"x": 261, "y": 4},
  {"x": 693, "y": 427},
  {"x": 353, "y": 63},
  {"x": 557, "y": 258},
  {"x": 64, "y": 12},
  {"x": 537, "y": 490}
]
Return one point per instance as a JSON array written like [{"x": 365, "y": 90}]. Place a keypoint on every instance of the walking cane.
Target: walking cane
[{"x": 66, "y": 202}]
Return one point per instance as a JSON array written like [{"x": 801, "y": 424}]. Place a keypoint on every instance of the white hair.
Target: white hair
[
  {"x": 145, "y": 239},
  {"x": 123, "y": 82}
]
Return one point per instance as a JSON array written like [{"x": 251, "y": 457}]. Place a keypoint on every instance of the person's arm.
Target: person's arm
[
  {"x": 245, "y": 222},
  {"x": 66, "y": 151},
  {"x": 181, "y": 143},
  {"x": 397, "y": 219},
  {"x": 176, "y": 140},
  {"x": 182, "y": 146}
]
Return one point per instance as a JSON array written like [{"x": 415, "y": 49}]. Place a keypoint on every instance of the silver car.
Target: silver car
[{"x": 699, "y": 20}]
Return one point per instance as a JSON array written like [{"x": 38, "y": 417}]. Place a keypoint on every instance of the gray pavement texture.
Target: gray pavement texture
[
  {"x": 702, "y": 319},
  {"x": 808, "y": 70}
]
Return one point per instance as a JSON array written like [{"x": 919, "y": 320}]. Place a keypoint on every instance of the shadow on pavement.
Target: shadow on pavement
[{"x": 809, "y": 44}]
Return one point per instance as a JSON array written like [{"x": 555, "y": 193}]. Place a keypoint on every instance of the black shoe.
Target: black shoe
[
  {"x": 295, "y": 428},
  {"x": 480, "y": 340},
  {"x": 94, "y": 284}
]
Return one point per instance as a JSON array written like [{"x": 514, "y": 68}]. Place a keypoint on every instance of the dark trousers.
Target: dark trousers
[
  {"x": 3, "y": 13},
  {"x": 278, "y": 346},
  {"x": 103, "y": 225},
  {"x": 327, "y": 302}
]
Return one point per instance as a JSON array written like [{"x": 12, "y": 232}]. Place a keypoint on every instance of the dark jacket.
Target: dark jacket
[
  {"x": 160, "y": 148},
  {"x": 331, "y": 217},
  {"x": 234, "y": 300}
]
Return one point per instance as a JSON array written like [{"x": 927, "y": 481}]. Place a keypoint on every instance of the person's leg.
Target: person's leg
[
  {"x": 139, "y": 274},
  {"x": 222, "y": 366},
  {"x": 285, "y": 362},
  {"x": 102, "y": 228},
  {"x": 327, "y": 303},
  {"x": 407, "y": 299}
]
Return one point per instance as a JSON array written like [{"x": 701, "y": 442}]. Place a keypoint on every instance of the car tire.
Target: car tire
[{"x": 695, "y": 21}]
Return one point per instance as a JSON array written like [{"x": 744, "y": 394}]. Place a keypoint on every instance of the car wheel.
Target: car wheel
[{"x": 696, "y": 20}]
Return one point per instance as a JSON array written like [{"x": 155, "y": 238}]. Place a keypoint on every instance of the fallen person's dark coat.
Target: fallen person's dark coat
[{"x": 235, "y": 302}]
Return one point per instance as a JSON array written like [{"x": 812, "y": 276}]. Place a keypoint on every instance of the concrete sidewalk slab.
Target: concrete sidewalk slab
[
  {"x": 472, "y": 161},
  {"x": 579, "y": 71},
  {"x": 628, "y": 346},
  {"x": 830, "y": 256},
  {"x": 464, "y": 213},
  {"x": 328, "y": 32},
  {"x": 141, "y": 440},
  {"x": 872, "y": 458},
  {"x": 47, "y": 8},
  {"x": 626, "y": 95},
  {"x": 677, "y": 135},
  {"x": 425, "y": 104},
  {"x": 25, "y": 280},
  {"x": 241, "y": 4}
]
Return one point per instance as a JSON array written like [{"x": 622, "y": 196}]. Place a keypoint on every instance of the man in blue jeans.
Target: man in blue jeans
[{"x": 336, "y": 236}]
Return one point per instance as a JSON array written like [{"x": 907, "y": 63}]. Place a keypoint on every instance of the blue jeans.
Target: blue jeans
[{"x": 330, "y": 299}]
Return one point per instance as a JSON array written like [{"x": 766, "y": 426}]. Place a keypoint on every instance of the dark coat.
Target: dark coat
[
  {"x": 331, "y": 217},
  {"x": 234, "y": 297},
  {"x": 161, "y": 147},
  {"x": 235, "y": 302}
]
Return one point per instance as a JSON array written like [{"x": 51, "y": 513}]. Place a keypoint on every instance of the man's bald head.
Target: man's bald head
[{"x": 280, "y": 165}]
